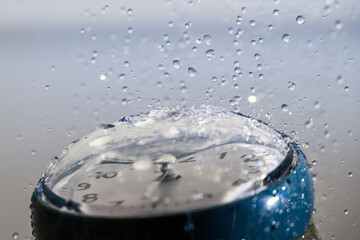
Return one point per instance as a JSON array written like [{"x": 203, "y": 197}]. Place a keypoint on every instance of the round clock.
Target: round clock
[{"x": 176, "y": 173}]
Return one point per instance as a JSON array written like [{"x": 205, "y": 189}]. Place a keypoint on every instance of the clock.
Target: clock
[{"x": 176, "y": 173}]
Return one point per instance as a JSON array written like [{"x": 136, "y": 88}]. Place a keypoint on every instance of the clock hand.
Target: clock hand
[{"x": 166, "y": 173}]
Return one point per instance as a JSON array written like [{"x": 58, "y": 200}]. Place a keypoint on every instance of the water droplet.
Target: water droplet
[
  {"x": 129, "y": 11},
  {"x": 291, "y": 86},
  {"x": 276, "y": 12},
  {"x": 207, "y": 40},
  {"x": 125, "y": 89},
  {"x": 350, "y": 174},
  {"x": 314, "y": 162},
  {"x": 309, "y": 123},
  {"x": 47, "y": 87},
  {"x": 192, "y": 72},
  {"x": 346, "y": 88},
  {"x": 18, "y": 137},
  {"x": 340, "y": 79},
  {"x": 252, "y": 99},
  {"x": 188, "y": 25},
  {"x": 124, "y": 101},
  {"x": 16, "y": 235},
  {"x": 130, "y": 30},
  {"x": 338, "y": 25},
  {"x": 286, "y": 38},
  {"x": 177, "y": 63},
  {"x": 52, "y": 68},
  {"x": 103, "y": 77},
  {"x": 252, "y": 23},
  {"x": 271, "y": 27},
  {"x": 210, "y": 54},
  {"x": 300, "y": 19},
  {"x": 285, "y": 108},
  {"x": 257, "y": 56},
  {"x": 33, "y": 152},
  {"x": 317, "y": 104},
  {"x": 122, "y": 76},
  {"x": 346, "y": 212}
]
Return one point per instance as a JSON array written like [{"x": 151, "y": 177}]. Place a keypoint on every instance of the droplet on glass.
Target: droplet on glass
[
  {"x": 309, "y": 123},
  {"x": 286, "y": 38},
  {"x": 276, "y": 12},
  {"x": 252, "y": 23},
  {"x": 122, "y": 76},
  {"x": 130, "y": 30},
  {"x": 257, "y": 56},
  {"x": 47, "y": 87},
  {"x": 285, "y": 108},
  {"x": 317, "y": 104},
  {"x": 103, "y": 77},
  {"x": 346, "y": 88},
  {"x": 350, "y": 174},
  {"x": 188, "y": 25},
  {"x": 129, "y": 11},
  {"x": 300, "y": 19},
  {"x": 291, "y": 86},
  {"x": 33, "y": 152},
  {"x": 16, "y": 235},
  {"x": 210, "y": 54},
  {"x": 125, "y": 89},
  {"x": 346, "y": 212},
  {"x": 338, "y": 25},
  {"x": 177, "y": 63},
  {"x": 192, "y": 72},
  {"x": 340, "y": 79},
  {"x": 207, "y": 40},
  {"x": 252, "y": 99}
]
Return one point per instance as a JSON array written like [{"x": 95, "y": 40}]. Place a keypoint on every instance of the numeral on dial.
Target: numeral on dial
[
  {"x": 88, "y": 198},
  {"x": 105, "y": 175},
  {"x": 83, "y": 186}
]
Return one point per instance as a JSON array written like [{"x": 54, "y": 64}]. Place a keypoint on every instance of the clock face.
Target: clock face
[{"x": 157, "y": 164}]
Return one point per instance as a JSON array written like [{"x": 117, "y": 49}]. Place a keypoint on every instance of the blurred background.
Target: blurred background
[{"x": 67, "y": 66}]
